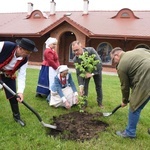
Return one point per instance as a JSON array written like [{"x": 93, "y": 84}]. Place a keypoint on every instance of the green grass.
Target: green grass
[{"x": 34, "y": 137}]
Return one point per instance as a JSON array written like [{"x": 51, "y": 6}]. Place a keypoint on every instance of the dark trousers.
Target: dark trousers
[
  {"x": 11, "y": 83},
  {"x": 98, "y": 87}
]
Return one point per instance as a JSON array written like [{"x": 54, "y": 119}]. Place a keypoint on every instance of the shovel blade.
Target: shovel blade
[
  {"x": 49, "y": 125},
  {"x": 107, "y": 114}
]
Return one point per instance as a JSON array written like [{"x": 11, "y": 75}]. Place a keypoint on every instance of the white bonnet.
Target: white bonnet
[
  {"x": 62, "y": 68},
  {"x": 49, "y": 41},
  {"x": 1, "y": 87}
]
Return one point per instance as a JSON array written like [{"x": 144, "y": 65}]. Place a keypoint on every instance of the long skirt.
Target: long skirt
[
  {"x": 46, "y": 78},
  {"x": 56, "y": 100}
]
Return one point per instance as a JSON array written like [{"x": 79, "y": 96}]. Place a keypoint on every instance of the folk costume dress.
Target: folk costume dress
[
  {"x": 48, "y": 71},
  {"x": 10, "y": 63},
  {"x": 63, "y": 89}
]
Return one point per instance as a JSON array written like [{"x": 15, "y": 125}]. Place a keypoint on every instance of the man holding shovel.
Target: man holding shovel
[
  {"x": 13, "y": 57},
  {"x": 133, "y": 68}
]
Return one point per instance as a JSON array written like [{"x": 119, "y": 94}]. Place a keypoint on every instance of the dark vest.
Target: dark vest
[{"x": 6, "y": 56}]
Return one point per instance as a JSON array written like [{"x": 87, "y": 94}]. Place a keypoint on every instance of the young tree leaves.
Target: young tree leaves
[{"x": 88, "y": 64}]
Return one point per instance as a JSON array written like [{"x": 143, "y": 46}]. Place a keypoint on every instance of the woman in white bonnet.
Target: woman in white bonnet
[
  {"x": 48, "y": 68},
  {"x": 63, "y": 90}
]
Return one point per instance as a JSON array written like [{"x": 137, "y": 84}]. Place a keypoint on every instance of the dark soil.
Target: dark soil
[{"x": 78, "y": 126}]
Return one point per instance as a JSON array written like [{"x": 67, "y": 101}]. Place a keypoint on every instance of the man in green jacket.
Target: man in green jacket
[{"x": 133, "y": 68}]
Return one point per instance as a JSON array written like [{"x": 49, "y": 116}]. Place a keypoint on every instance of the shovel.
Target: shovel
[
  {"x": 29, "y": 107},
  {"x": 110, "y": 113}
]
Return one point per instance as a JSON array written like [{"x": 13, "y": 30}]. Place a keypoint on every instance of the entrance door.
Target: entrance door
[{"x": 65, "y": 52}]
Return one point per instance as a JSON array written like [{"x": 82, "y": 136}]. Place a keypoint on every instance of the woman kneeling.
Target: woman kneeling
[{"x": 63, "y": 90}]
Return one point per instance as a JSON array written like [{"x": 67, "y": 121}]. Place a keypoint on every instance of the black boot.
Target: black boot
[
  {"x": 149, "y": 131},
  {"x": 18, "y": 119},
  {"x": 16, "y": 114},
  {"x": 38, "y": 95}
]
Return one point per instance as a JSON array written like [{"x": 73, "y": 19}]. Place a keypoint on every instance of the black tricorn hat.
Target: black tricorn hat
[{"x": 27, "y": 44}]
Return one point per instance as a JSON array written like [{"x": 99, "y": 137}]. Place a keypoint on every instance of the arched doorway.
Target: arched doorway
[{"x": 65, "y": 52}]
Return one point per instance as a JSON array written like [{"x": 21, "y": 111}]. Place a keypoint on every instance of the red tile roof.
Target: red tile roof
[{"x": 96, "y": 24}]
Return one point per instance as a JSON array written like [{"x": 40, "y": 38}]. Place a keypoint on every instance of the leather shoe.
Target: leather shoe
[
  {"x": 149, "y": 131},
  {"x": 101, "y": 106},
  {"x": 18, "y": 120},
  {"x": 38, "y": 95},
  {"x": 123, "y": 134}
]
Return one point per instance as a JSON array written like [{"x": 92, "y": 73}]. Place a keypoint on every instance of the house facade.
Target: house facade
[{"x": 102, "y": 30}]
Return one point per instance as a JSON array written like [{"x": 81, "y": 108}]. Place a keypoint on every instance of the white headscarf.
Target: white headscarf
[
  {"x": 62, "y": 68},
  {"x": 49, "y": 41}
]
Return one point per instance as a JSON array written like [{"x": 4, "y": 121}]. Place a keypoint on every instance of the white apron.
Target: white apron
[{"x": 56, "y": 100}]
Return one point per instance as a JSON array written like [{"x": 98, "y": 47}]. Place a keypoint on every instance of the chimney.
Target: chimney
[
  {"x": 30, "y": 8},
  {"x": 52, "y": 7},
  {"x": 85, "y": 7}
]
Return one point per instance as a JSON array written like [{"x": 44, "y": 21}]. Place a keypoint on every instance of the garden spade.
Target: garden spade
[
  {"x": 29, "y": 107},
  {"x": 110, "y": 113}
]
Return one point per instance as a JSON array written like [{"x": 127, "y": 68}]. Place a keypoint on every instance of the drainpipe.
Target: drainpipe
[
  {"x": 85, "y": 7},
  {"x": 52, "y": 7},
  {"x": 125, "y": 43},
  {"x": 30, "y": 8}
]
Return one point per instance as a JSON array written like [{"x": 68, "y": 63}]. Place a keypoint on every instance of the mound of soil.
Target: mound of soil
[{"x": 78, "y": 126}]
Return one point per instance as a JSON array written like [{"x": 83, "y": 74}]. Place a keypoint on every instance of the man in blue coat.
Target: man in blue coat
[{"x": 14, "y": 57}]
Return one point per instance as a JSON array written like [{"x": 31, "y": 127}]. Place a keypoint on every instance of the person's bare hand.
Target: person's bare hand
[
  {"x": 88, "y": 75},
  {"x": 81, "y": 91},
  {"x": 20, "y": 97},
  {"x": 67, "y": 105},
  {"x": 76, "y": 100},
  {"x": 123, "y": 104}
]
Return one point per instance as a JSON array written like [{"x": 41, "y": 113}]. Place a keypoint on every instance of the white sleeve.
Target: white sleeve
[
  {"x": 21, "y": 78},
  {"x": 64, "y": 99},
  {"x": 1, "y": 46},
  {"x": 75, "y": 93}
]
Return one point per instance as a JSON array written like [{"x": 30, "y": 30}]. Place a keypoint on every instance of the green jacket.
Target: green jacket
[{"x": 134, "y": 74}]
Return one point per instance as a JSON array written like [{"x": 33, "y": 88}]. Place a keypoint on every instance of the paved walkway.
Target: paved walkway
[{"x": 107, "y": 71}]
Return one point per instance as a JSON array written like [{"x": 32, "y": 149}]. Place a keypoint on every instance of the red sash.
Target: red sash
[
  {"x": 10, "y": 73},
  {"x": 62, "y": 80},
  {"x": 7, "y": 60}
]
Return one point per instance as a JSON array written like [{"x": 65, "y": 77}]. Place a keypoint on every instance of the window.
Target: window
[
  {"x": 71, "y": 54},
  {"x": 142, "y": 46},
  {"x": 104, "y": 50},
  {"x": 125, "y": 15},
  {"x": 37, "y": 15}
]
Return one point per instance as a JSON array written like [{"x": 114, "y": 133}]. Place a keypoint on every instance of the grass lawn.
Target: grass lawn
[{"x": 34, "y": 137}]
